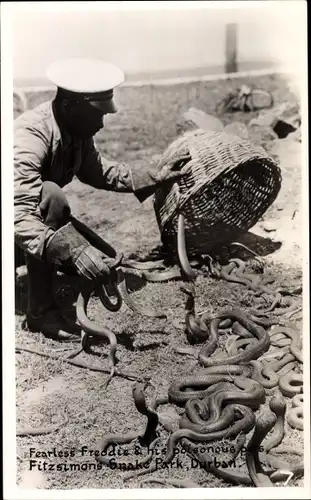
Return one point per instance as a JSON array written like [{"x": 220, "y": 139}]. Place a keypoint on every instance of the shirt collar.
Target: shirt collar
[{"x": 60, "y": 132}]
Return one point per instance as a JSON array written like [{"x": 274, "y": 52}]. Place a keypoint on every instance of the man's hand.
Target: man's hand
[
  {"x": 92, "y": 265},
  {"x": 173, "y": 170},
  {"x": 147, "y": 183},
  {"x": 67, "y": 245}
]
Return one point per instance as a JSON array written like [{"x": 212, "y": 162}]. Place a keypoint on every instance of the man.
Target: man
[{"x": 52, "y": 144}]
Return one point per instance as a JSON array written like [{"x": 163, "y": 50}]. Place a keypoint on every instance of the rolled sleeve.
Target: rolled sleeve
[
  {"x": 101, "y": 173},
  {"x": 30, "y": 151}
]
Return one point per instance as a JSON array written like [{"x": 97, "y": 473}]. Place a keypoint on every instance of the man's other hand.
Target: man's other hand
[{"x": 173, "y": 170}]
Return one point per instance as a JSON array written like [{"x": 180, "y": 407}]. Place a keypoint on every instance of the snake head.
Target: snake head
[
  {"x": 213, "y": 266},
  {"x": 188, "y": 289},
  {"x": 278, "y": 405},
  {"x": 139, "y": 386},
  {"x": 116, "y": 262}
]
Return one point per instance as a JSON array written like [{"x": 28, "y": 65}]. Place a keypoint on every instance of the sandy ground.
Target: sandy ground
[{"x": 49, "y": 390}]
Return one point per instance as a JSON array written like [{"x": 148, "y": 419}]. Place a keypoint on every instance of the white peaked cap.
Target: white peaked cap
[{"x": 85, "y": 76}]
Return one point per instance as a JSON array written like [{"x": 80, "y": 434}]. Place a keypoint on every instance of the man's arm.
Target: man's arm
[
  {"x": 100, "y": 173},
  {"x": 30, "y": 150}
]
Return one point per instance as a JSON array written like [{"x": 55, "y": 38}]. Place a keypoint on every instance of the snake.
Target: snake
[
  {"x": 245, "y": 422},
  {"x": 92, "y": 328},
  {"x": 279, "y": 339},
  {"x": 275, "y": 353},
  {"x": 118, "y": 283},
  {"x": 285, "y": 309},
  {"x": 211, "y": 381},
  {"x": 167, "y": 275},
  {"x": 290, "y": 366},
  {"x": 147, "y": 437},
  {"x": 239, "y": 276},
  {"x": 241, "y": 331},
  {"x": 238, "y": 345},
  {"x": 181, "y": 248},
  {"x": 278, "y": 407},
  {"x": 287, "y": 361},
  {"x": 291, "y": 384},
  {"x": 295, "y": 414},
  {"x": 29, "y": 431},
  {"x": 219, "y": 425},
  {"x": 288, "y": 306},
  {"x": 121, "y": 292},
  {"x": 293, "y": 334},
  {"x": 218, "y": 417},
  {"x": 253, "y": 352},
  {"x": 198, "y": 324},
  {"x": 297, "y": 400},
  {"x": 235, "y": 477},
  {"x": 264, "y": 424},
  {"x": 197, "y": 329},
  {"x": 295, "y": 418},
  {"x": 196, "y": 412},
  {"x": 268, "y": 378},
  {"x": 234, "y": 272},
  {"x": 185, "y": 270}
]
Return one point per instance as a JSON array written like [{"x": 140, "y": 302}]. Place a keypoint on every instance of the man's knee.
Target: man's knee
[{"x": 54, "y": 205}]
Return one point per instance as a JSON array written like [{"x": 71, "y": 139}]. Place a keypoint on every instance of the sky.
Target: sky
[{"x": 153, "y": 40}]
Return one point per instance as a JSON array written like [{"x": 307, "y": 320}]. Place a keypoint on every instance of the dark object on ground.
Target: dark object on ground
[{"x": 283, "y": 129}]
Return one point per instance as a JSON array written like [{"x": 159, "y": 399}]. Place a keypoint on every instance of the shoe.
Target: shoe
[{"x": 53, "y": 325}]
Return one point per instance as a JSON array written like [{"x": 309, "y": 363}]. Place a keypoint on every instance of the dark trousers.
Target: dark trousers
[{"x": 55, "y": 211}]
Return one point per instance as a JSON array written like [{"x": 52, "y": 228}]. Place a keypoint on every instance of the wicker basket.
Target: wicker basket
[{"x": 230, "y": 185}]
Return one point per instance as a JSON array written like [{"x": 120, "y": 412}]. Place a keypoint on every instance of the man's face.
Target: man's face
[{"x": 83, "y": 119}]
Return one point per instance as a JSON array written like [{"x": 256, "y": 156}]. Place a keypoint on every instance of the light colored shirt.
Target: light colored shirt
[{"x": 43, "y": 152}]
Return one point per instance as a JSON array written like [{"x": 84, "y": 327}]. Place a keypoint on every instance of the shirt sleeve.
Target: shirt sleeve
[
  {"x": 30, "y": 151},
  {"x": 101, "y": 173}
]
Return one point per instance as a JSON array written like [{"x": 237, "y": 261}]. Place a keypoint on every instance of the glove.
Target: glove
[
  {"x": 171, "y": 172},
  {"x": 68, "y": 246},
  {"x": 146, "y": 185}
]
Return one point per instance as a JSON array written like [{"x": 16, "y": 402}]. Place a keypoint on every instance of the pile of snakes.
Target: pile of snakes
[{"x": 220, "y": 402}]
